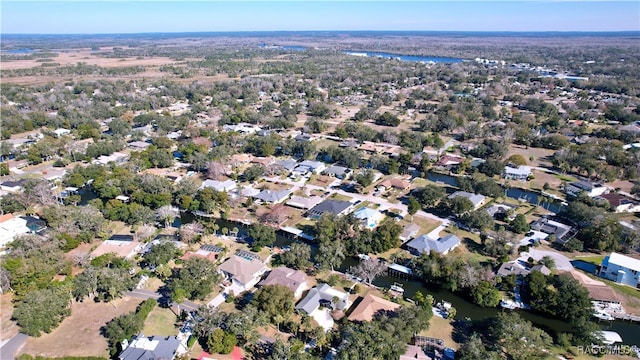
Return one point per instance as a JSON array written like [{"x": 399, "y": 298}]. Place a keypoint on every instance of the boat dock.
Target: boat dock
[{"x": 629, "y": 317}]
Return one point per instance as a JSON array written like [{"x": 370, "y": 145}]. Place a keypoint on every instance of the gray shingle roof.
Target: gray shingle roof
[
  {"x": 423, "y": 243},
  {"x": 329, "y": 206}
]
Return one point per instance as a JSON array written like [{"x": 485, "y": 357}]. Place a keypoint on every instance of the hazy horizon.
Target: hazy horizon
[{"x": 138, "y": 17}]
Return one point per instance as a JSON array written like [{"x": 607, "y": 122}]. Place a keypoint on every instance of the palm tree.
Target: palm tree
[
  {"x": 167, "y": 214},
  {"x": 215, "y": 228},
  {"x": 235, "y": 231},
  {"x": 225, "y": 231}
]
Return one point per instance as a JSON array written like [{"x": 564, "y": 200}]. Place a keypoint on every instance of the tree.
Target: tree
[
  {"x": 387, "y": 119},
  {"x": 42, "y": 310},
  {"x": 195, "y": 280},
  {"x": 548, "y": 262},
  {"x": 191, "y": 231},
  {"x": 460, "y": 205},
  {"x": 160, "y": 254},
  {"x": 167, "y": 214},
  {"x": 430, "y": 195},
  {"x": 474, "y": 349},
  {"x": 274, "y": 301},
  {"x": 478, "y": 219},
  {"x": 297, "y": 257},
  {"x": 330, "y": 254},
  {"x": 221, "y": 342},
  {"x": 369, "y": 269},
  {"x": 253, "y": 172},
  {"x": 517, "y": 160},
  {"x": 262, "y": 235},
  {"x": 413, "y": 205},
  {"x": 485, "y": 294},
  {"x": 518, "y": 338},
  {"x": 520, "y": 224}
]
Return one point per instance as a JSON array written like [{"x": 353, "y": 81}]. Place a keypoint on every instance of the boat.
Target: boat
[
  {"x": 599, "y": 314},
  {"x": 397, "y": 287},
  {"x": 364, "y": 256},
  {"x": 610, "y": 337},
  {"x": 508, "y": 304},
  {"x": 444, "y": 306}
]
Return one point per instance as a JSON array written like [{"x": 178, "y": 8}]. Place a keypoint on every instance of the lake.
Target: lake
[{"x": 416, "y": 58}]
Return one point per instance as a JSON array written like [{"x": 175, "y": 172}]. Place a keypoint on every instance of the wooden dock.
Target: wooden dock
[{"x": 630, "y": 318}]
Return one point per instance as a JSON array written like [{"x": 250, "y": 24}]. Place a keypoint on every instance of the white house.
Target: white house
[
  {"x": 591, "y": 189},
  {"x": 621, "y": 269},
  {"x": 520, "y": 173},
  {"x": 223, "y": 186},
  {"x": 369, "y": 217},
  {"x": 10, "y": 227},
  {"x": 61, "y": 132}
]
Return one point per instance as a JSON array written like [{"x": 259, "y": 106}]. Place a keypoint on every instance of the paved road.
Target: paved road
[{"x": 11, "y": 347}]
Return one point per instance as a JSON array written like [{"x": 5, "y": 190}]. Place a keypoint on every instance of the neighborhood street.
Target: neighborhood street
[{"x": 11, "y": 347}]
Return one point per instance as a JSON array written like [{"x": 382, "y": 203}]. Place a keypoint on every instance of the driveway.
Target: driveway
[
  {"x": 11, "y": 347},
  {"x": 562, "y": 262},
  {"x": 323, "y": 317}
]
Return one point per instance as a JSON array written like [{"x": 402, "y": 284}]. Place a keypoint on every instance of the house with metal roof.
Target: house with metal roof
[
  {"x": 476, "y": 199},
  {"x": 521, "y": 173},
  {"x": 621, "y": 269},
  {"x": 425, "y": 244},
  {"x": 273, "y": 197},
  {"x": 243, "y": 271}
]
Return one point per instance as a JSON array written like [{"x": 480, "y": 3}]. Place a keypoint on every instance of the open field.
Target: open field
[
  {"x": 79, "y": 334},
  {"x": 440, "y": 328},
  {"x": 161, "y": 322}
]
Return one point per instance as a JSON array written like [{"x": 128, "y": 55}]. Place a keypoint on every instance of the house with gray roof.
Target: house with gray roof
[
  {"x": 273, "y": 197},
  {"x": 150, "y": 348},
  {"x": 309, "y": 166},
  {"x": 339, "y": 172},
  {"x": 324, "y": 294},
  {"x": 222, "y": 186},
  {"x": 561, "y": 231},
  {"x": 425, "y": 244},
  {"x": 287, "y": 164},
  {"x": 477, "y": 199},
  {"x": 409, "y": 232},
  {"x": 304, "y": 202},
  {"x": 336, "y": 207}
]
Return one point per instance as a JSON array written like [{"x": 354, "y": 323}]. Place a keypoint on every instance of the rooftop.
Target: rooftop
[{"x": 370, "y": 306}]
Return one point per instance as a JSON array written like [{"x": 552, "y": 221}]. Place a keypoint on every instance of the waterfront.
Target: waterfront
[{"x": 425, "y": 59}]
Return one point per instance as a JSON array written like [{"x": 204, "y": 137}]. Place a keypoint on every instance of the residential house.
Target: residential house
[
  {"x": 10, "y": 227},
  {"x": 520, "y": 268},
  {"x": 425, "y": 244},
  {"x": 308, "y": 167},
  {"x": 148, "y": 348},
  {"x": 476, "y": 199},
  {"x": 409, "y": 232},
  {"x": 122, "y": 245},
  {"x": 336, "y": 207},
  {"x": 116, "y": 157},
  {"x": 138, "y": 145},
  {"x": 325, "y": 295},
  {"x": 304, "y": 202},
  {"x": 222, "y": 186},
  {"x": 369, "y": 217},
  {"x": 12, "y": 186},
  {"x": 415, "y": 352},
  {"x": 561, "y": 231},
  {"x": 287, "y": 164},
  {"x": 590, "y": 188},
  {"x": 295, "y": 280},
  {"x": 499, "y": 211},
  {"x": 620, "y": 203},
  {"x": 244, "y": 272},
  {"x": 339, "y": 172},
  {"x": 243, "y": 128},
  {"x": 449, "y": 161},
  {"x": 395, "y": 183},
  {"x": 273, "y": 197},
  {"x": 521, "y": 173},
  {"x": 60, "y": 132},
  {"x": 370, "y": 306},
  {"x": 304, "y": 137},
  {"x": 264, "y": 161},
  {"x": 621, "y": 269}
]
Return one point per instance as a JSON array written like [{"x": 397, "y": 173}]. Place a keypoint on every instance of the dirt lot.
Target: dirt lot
[
  {"x": 79, "y": 334},
  {"x": 8, "y": 328},
  {"x": 539, "y": 155}
]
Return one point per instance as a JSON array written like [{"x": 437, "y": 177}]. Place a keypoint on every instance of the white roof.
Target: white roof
[
  {"x": 520, "y": 170},
  {"x": 624, "y": 261}
]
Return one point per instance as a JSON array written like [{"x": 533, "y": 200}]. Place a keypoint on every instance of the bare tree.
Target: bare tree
[
  {"x": 369, "y": 269},
  {"x": 190, "y": 231},
  {"x": 167, "y": 214},
  {"x": 145, "y": 232},
  {"x": 216, "y": 171},
  {"x": 277, "y": 215},
  {"x": 80, "y": 259}
]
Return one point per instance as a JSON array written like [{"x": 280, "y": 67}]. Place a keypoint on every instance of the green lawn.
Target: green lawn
[
  {"x": 161, "y": 322},
  {"x": 596, "y": 259}
]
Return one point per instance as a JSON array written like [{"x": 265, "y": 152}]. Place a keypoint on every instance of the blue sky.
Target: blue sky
[{"x": 109, "y": 16}]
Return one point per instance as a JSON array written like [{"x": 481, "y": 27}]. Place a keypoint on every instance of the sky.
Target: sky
[{"x": 112, "y": 16}]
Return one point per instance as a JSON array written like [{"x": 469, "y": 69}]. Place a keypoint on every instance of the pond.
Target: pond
[
  {"x": 385, "y": 55},
  {"x": 531, "y": 197}
]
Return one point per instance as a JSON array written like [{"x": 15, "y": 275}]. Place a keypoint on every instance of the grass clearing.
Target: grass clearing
[
  {"x": 596, "y": 259},
  {"x": 8, "y": 328},
  {"x": 427, "y": 225},
  {"x": 440, "y": 328},
  {"x": 340, "y": 197},
  {"x": 161, "y": 322},
  {"x": 79, "y": 334}
]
